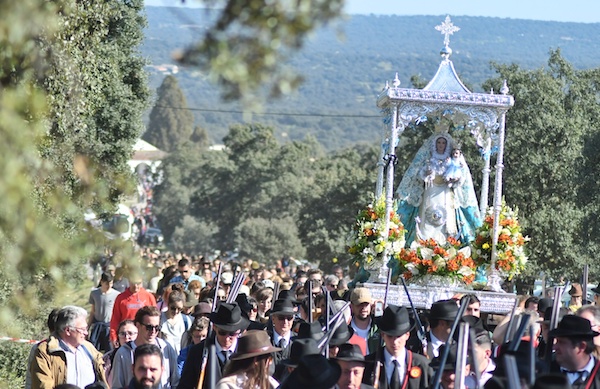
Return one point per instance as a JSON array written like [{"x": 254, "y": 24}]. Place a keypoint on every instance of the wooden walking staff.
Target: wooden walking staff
[
  {"x": 205, "y": 350},
  {"x": 461, "y": 355},
  {"x": 379, "y": 357},
  {"x": 558, "y": 292},
  {"x": 584, "y": 283}
]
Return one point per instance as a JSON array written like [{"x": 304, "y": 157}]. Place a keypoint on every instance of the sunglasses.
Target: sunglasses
[
  {"x": 151, "y": 328},
  {"x": 127, "y": 333},
  {"x": 227, "y": 333},
  {"x": 175, "y": 308},
  {"x": 288, "y": 318}
]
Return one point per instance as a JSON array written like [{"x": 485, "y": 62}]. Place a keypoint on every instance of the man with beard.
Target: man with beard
[
  {"x": 147, "y": 367},
  {"x": 362, "y": 322}
]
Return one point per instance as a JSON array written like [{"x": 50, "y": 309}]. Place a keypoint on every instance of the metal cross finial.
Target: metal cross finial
[{"x": 447, "y": 29}]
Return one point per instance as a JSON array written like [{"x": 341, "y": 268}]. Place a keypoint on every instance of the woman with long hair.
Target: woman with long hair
[{"x": 248, "y": 368}]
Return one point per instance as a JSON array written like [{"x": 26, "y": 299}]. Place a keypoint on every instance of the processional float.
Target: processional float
[{"x": 484, "y": 116}]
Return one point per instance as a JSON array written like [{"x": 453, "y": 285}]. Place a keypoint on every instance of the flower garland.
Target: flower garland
[
  {"x": 428, "y": 257},
  {"x": 368, "y": 242},
  {"x": 510, "y": 254}
]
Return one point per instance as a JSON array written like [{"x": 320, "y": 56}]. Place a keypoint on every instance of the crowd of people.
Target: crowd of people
[{"x": 182, "y": 323}]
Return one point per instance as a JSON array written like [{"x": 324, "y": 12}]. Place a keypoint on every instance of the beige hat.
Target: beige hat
[{"x": 360, "y": 295}]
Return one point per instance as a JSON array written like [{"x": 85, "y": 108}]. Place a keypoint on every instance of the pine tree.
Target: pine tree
[{"x": 171, "y": 123}]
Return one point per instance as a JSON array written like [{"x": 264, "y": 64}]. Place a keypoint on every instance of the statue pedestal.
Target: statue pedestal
[{"x": 423, "y": 296}]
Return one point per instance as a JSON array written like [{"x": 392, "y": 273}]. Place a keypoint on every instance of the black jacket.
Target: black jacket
[
  {"x": 418, "y": 382},
  {"x": 191, "y": 369}
]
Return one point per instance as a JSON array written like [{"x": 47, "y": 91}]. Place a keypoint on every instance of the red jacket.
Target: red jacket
[{"x": 126, "y": 305}]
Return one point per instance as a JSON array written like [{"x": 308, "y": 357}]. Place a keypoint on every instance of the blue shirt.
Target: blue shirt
[{"x": 180, "y": 280}]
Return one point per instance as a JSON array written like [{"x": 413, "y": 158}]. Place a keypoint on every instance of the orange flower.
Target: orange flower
[
  {"x": 368, "y": 232},
  {"x": 453, "y": 241}
]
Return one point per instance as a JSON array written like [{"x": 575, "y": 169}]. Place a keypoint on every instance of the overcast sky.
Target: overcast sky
[{"x": 586, "y": 11}]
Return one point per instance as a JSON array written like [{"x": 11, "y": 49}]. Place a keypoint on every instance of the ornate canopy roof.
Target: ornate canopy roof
[{"x": 446, "y": 94}]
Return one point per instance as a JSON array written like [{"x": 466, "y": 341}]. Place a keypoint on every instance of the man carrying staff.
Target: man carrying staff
[
  {"x": 400, "y": 368},
  {"x": 228, "y": 324}
]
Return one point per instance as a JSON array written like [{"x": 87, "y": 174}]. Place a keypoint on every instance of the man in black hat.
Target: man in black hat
[
  {"x": 298, "y": 349},
  {"x": 441, "y": 317},
  {"x": 397, "y": 364},
  {"x": 228, "y": 324},
  {"x": 573, "y": 348},
  {"x": 352, "y": 362},
  {"x": 314, "y": 372},
  {"x": 282, "y": 316},
  {"x": 448, "y": 378}
]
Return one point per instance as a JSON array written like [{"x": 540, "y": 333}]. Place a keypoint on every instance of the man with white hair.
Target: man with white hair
[{"x": 66, "y": 357}]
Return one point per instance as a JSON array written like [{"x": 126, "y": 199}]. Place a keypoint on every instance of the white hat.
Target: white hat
[
  {"x": 227, "y": 278},
  {"x": 269, "y": 284}
]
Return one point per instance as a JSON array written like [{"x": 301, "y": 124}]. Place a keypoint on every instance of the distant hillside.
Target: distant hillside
[{"x": 343, "y": 76}]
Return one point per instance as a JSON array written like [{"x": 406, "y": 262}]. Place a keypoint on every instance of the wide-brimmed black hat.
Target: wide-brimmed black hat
[
  {"x": 394, "y": 321},
  {"x": 443, "y": 310},
  {"x": 474, "y": 322},
  {"x": 596, "y": 289},
  {"x": 573, "y": 326},
  {"x": 562, "y": 312},
  {"x": 314, "y": 372},
  {"x": 350, "y": 353},
  {"x": 450, "y": 361},
  {"x": 287, "y": 294},
  {"x": 252, "y": 344},
  {"x": 245, "y": 306},
  {"x": 544, "y": 304},
  {"x": 551, "y": 381},
  {"x": 341, "y": 335},
  {"x": 229, "y": 317},
  {"x": 312, "y": 330},
  {"x": 300, "y": 348},
  {"x": 282, "y": 307}
]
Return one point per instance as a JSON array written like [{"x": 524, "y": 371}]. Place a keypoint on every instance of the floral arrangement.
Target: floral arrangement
[
  {"x": 510, "y": 258},
  {"x": 427, "y": 258},
  {"x": 369, "y": 242}
]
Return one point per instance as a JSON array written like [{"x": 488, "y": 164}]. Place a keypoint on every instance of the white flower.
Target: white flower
[
  {"x": 466, "y": 251},
  {"x": 426, "y": 253},
  {"x": 397, "y": 246},
  {"x": 411, "y": 267},
  {"x": 465, "y": 271},
  {"x": 440, "y": 263}
]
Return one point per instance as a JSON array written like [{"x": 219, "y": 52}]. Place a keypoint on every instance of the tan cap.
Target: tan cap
[{"x": 360, "y": 295}]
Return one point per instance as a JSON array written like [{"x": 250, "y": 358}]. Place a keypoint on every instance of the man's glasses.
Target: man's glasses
[
  {"x": 227, "y": 333},
  {"x": 81, "y": 330},
  {"x": 175, "y": 308},
  {"x": 288, "y": 318},
  {"x": 151, "y": 328},
  {"x": 127, "y": 333}
]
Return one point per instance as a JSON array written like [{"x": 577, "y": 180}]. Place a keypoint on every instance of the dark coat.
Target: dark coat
[
  {"x": 191, "y": 369},
  {"x": 554, "y": 368},
  {"x": 277, "y": 370},
  {"x": 420, "y": 361}
]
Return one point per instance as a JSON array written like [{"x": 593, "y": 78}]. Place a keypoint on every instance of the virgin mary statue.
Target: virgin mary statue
[{"x": 436, "y": 198}]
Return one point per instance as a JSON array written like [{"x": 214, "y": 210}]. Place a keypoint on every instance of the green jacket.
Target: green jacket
[{"x": 49, "y": 365}]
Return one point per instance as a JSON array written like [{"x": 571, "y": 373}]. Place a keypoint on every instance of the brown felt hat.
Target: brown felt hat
[
  {"x": 252, "y": 344},
  {"x": 576, "y": 290}
]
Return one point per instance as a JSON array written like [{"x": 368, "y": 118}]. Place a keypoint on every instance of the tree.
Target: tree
[
  {"x": 547, "y": 167},
  {"x": 171, "y": 123},
  {"x": 72, "y": 95}
]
